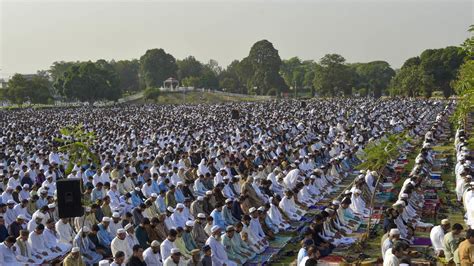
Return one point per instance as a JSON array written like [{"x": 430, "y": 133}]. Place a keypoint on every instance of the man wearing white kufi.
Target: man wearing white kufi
[
  {"x": 393, "y": 236},
  {"x": 131, "y": 238},
  {"x": 115, "y": 224},
  {"x": 34, "y": 222},
  {"x": 64, "y": 230},
  {"x": 437, "y": 236},
  {"x": 358, "y": 204},
  {"x": 120, "y": 243},
  {"x": 51, "y": 238},
  {"x": 291, "y": 178},
  {"x": 370, "y": 181},
  {"x": 219, "y": 255},
  {"x": 152, "y": 255},
  {"x": 87, "y": 248},
  {"x": 276, "y": 216},
  {"x": 288, "y": 205},
  {"x": 38, "y": 244}
]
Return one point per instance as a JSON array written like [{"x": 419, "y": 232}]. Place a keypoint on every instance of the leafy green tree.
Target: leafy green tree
[
  {"x": 442, "y": 65},
  {"x": 89, "y": 82},
  {"x": 411, "y": 81},
  {"x": 156, "y": 66},
  {"x": 189, "y": 67},
  {"x": 229, "y": 79},
  {"x": 374, "y": 76},
  {"x": 34, "y": 90},
  {"x": 127, "y": 71},
  {"x": 333, "y": 77},
  {"x": 266, "y": 65}
]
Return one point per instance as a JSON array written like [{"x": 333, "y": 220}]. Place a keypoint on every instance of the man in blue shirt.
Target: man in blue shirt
[{"x": 104, "y": 237}]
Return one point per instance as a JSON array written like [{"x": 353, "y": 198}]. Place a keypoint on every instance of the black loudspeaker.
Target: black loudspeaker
[
  {"x": 235, "y": 114},
  {"x": 303, "y": 104},
  {"x": 69, "y": 198}
]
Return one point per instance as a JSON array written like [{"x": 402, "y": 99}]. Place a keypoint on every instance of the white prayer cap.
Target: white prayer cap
[
  {"x": 155, "y": 243},
  {"x": 137, "y": 188},
  {"x": 228, "y": 200},
  {"x": 180, "y": 206},
  {"x": 115, "y": 215},
  {"x": 170, "y": 209},
  {"x": 347, "y": 192},
  {"x": 358, "y": 191},
  {"x": 312, "y": 177},
  {"x": 106, "y": 219},
  {"x": 404, "y": 264},
  {"x": 222, "y": 169},
  {"x": 261, "y": 208},
  {"x": 21, "y": 217},
  {"x": 75, "y": 250},
  {"x": 252, "y": 209},
  {"x": 26, "y": 186},
  {"x": 201, "y": 215},
  {"x": 237, "y": 176},
  {"x": 293, "y": 165},
  {"x": 330, "y": 211},
  {"x": 175, "y": 251},
  {"x": 336, "y": 202},
  {"x": 52, "y": 206},
  {"x": 128, "y": 226},
  {"x": 179, "y": 183},
  {"x": 445, "y": 222},
  {"x": 200, "y": 198},
  {"x": 404, "y": 196},
  {"x": 225, "y": 178},
  {"x": 208, "y": 192},
  {"x": 11, "y": 188},
  {"x": 154, "y": 195},
  {"x": 394, "y": 232},
  {"x": 104, "y": 263},
  {"x": 260, "y": 166},
  {"x": 40, "y": 215},
  {"x": 190, "y": 223},
  {"x": 362, "y": 171},
  {"x": 10, "y": 201},
  {"x": 270, "y": 199},
  {"x": 121, "y": 231},
  {"x": 86, "y": 229},
  {"x": 471, "y": 184},
  {"x": 413, "y": 183},
  {"x": 215, "y": 228}
]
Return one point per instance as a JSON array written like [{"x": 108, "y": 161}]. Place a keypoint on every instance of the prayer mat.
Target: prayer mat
[
  {"x": 279, "y": 242},
  {"x": 331, "y": 260},
  {"x": 421, "y": 241}
]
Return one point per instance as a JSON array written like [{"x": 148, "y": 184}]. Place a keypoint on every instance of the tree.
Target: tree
[
  {"x": 266, "y": 64},
  {"x": 229, "y": 79},
  {"x": 89, "y": 82},
  {"x": 442, "y": 65},
  {"x": 411, "y": 81},
  {"x": 374, "y": 76},
  {"x": 35, "y": 90},
  {"x": 127, "y": 71},
  {"x": 333, "y": 77},
  {"x": 189, "y": 67},
  {"x": 156, "y": 66}
]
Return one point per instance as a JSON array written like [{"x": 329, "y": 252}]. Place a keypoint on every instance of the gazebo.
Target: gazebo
[{"x": 171, "y": 84}]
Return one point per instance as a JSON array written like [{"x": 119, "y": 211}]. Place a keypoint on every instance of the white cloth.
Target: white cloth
[
  {"x": 118, "y": 244},
  {"x": 437, "y": 236},
  {"x": 152, "y": 258}
]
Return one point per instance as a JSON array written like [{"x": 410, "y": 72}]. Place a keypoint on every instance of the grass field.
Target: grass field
[{"x": 197, "y": 97}]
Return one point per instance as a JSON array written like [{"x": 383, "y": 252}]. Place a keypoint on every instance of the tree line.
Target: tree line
[{"x": 262, "y": 72}]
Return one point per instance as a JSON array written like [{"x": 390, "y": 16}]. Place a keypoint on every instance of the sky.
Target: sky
[{"x": 35, "y": 33}]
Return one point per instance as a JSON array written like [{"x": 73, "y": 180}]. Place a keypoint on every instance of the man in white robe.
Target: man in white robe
[
  {"x": 64, "y": 230},
  {"x": 219, "y": 255},
  {"x": 168, "y": 244},
  {"x": 38, "y": 244},
  {"x": 276, "y": 216},
  {"x": 437, "y": 236},
  {"x": 120, "y": 243},
  {"x": 288, "y": 205},
  {"x": 52, "y": 239},
  {"x": 152, "y": 255}
]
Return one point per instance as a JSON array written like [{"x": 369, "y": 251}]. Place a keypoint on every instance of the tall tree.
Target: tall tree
[
  {"x": 333, "y": 77},
  {"x": 266, "y": 65},
  {"x": 35, "y": 89},
  {"x": 189, "y": 67},
  {"x": 374, "y": 76},
  {"x": 229, "y": 79},
  {"x": 442, "y": 65},
  {"x": 90, "y": 82},
  {"x": 127, "y": 71},
  {"x": 156, "y": 66},
  {"x": 411, "y": 81}
]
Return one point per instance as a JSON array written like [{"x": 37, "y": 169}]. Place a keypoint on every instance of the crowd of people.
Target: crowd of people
[{"x": 189, "y": 185}]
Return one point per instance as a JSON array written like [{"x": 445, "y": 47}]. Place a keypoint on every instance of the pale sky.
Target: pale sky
[{"x": 35, "y": 33}]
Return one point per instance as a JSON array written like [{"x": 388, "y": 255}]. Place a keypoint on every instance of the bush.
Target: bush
[{"x": 152, "y": 93}]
